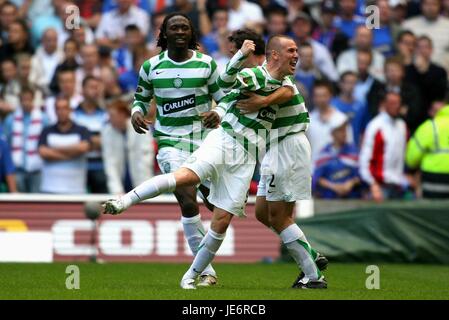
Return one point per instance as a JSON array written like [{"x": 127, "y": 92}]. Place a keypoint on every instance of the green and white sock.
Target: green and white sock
[
  {"x": 206, "y": 253},
  {"x": 194, "y": 233},
  {"x": 301, "y": 251}
]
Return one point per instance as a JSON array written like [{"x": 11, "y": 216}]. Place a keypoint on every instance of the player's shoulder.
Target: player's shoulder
[{"x": 199, "y": 56}]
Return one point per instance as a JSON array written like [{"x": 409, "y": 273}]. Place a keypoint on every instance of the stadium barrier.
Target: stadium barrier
[
  {"x": 46, "y": 228},
  {"x": 398, "y": 232}
]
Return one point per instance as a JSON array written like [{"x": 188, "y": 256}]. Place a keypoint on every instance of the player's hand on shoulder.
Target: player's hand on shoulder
[
  {"x": 248, "y": 47},
  {"x": 140, "y": 124},
  {"x": 211, "y": 119}
]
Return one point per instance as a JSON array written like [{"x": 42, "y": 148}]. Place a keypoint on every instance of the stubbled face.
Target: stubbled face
[
  {"x": 392, "y": 104},
  {"x": 179, "y": 33},
  {"x": 90, "y": 56},
  {"x": 288, "y": 56}
]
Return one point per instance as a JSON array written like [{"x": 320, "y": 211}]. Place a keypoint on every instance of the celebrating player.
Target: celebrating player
[
  {"x": 286, "y": 166},
  {"x": 227, "y": 155},
  {"x": 182, "y": 82}
]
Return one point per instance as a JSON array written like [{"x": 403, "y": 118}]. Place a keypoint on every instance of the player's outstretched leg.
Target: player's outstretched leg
[
  {"x": 208, "y": 247},
  {"x": 150, "y": 189}
]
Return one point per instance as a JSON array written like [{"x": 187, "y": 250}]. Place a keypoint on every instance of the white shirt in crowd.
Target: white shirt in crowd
[
  {"x": 112, "y": 24},
  {"x": 247, "y": 12}
]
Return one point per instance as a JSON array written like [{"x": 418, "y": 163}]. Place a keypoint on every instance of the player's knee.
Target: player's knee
[
  {"x": 189, "y": 208},
  {"x": 186, "y": 177}
]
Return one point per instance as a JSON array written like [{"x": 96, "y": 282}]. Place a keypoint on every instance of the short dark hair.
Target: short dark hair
[
  {"x": 402, "y": 34},
  {"x": 60, "y": 97},
  {"x": 162, "y": 40},
  {"x": 239, "y": 36},
  {"x": 324, "y": 84},
  {"x": 425, "y": 38},
  {"x": 347, "y": 73},
  {"x": 89, "y": 78},
  {"x": 271, "y": 41},
  {"x": 26, "y": 89},
  {"x": 131, "y": 27}
]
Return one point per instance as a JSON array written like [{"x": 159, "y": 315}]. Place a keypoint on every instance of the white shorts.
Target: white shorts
[
  {"x": 170, "y": 159},
  {"x": 229, "y": 167},
  {"x": 286, "y": 172}
]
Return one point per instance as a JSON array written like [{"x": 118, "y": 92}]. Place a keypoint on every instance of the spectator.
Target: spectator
[
  {"x": 89, "y": 114},
  {"x": 70, "y": 62},
  {"x": 307, "y": 72},
  {"x": 384, "y": 34},
  {"x": 134, "y": 46},
  {"x": 347, "y": 21},
  {"x": 301, "y": 28},
  {"x": 90, "y": 11},
  {"x": 90, "y": 65},
  {"x": 412, "y": 107},
  {"x": 7, "y": 167},
  {"x": 347, "y": 61},
  {"x": 277, "y": 22},
  {"x": 242, "y": 12},
  {"x": 322, "y": 118},
  {"x": 128, "y": 156},
  {"x": 445, "y": 10},
  {"x": 355, "y": 110},
  {"x": 18, "y": 41},
  {"x": 8, "y": 14},
  {"x": 47, "y": 57},
  {"x": 23, "y": 129},
  {"x": 211, "y": 40},
  {"x": 327, "y": 34},
  {"x": 367, "y": 88},
  {"x": 430, "y": 78},
  {"x": 197, "y": 13},
  {"x": 110, "y": 31},
  {"x": 109, "y": 79},
  {"x": 383, "y": 150},
  {"x": 337, "y": 171},
  {"x": 398, "y": 11},
  {"x": 63, "y": 147},
  {"x": 428, "y": 151},
  {"x": 67, "y": 85},
  {"x": 436, "y": 27},
  {"x": 294, "y": 7},
  {"x": 156, "y": 23},
  {"x": 9, "y": 88},
  {"x": 406, "y": 44},
  {"x": 128, "y": 80}
]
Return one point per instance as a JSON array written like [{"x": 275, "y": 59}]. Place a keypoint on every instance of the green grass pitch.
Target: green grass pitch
[{"x": 236, "y": 281}]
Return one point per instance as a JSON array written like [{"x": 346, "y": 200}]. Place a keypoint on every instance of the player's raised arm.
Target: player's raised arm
[
  {"x": 142, "y": 98},
  {"x": 228, "y": 79}
]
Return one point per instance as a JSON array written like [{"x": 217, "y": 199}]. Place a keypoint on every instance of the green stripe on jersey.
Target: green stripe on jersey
[{"x": 289, "y": 121}]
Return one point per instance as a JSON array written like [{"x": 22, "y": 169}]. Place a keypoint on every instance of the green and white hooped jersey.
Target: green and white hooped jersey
[
  {"x": 252, "y": 129},
  {"x": 292, "y": 117},
  {"x": 182, "y": 90}
]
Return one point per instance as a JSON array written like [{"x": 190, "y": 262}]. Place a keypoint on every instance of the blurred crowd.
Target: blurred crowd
[{"x": 375, "y": 82}]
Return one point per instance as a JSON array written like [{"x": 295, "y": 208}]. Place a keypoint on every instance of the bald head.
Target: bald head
[
  {"x": 276, "y": 43},
  {"x": 50, "y": 40}
]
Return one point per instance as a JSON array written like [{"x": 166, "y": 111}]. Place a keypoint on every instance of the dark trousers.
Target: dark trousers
[{"x": 96, "y": 181}]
